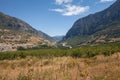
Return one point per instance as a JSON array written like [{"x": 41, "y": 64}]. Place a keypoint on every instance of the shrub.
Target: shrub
[{"x": 83, "y": 51}]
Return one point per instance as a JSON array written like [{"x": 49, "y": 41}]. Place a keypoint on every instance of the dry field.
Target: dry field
[{"x": 62, "y": 68}]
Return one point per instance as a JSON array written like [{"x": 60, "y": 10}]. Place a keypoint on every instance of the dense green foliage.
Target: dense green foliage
[{"x": 83, "y": 51}]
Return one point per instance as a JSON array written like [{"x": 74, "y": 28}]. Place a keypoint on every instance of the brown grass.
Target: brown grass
[{"x": 62, "y": 68}]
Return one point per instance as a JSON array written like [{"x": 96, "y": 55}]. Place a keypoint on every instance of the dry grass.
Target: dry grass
[{"x": 62, "y": 68}]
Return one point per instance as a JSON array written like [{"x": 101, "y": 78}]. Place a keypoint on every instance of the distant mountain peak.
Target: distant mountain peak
[{"x": 58, "y": 38}]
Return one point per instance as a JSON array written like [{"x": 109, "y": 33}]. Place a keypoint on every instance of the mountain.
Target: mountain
[
  {"x": 57, "y": 38},
  {"x": 100, "y": 27},
  {"x": 46, "y": 36},
  {"x": 16, "y": 33}
]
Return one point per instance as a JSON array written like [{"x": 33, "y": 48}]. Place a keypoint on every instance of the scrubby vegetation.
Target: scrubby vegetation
[
  {"x": 81, "y": 52},
  {"x": 61, "y": 68},
  {"x": 90, "y": 62}
]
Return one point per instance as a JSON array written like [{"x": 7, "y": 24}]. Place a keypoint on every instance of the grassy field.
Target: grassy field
[
  {"x": 91, "y": 62},
  {"x": 62, "y": 68}
]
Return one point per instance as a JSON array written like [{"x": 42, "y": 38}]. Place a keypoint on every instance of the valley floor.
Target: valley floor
[{"x": 62, "y": 68}]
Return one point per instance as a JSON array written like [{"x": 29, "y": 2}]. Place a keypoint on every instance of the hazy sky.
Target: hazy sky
[{"x": 54, "y": 17}]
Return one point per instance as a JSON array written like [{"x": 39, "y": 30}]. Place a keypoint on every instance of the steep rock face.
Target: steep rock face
[
  {"x": 16, "y": 33},
  {"x": 95, "y": 23}
]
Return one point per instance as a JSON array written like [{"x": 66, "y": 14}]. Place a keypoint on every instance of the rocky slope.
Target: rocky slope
[
  {"x": 16, "y": 33},
  {"x": 102, "y": 26}
]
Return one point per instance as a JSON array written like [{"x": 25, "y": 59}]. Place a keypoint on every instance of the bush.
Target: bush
[
  {"x": 20, "y": 48},
  {"x": 84, "y": 51}
]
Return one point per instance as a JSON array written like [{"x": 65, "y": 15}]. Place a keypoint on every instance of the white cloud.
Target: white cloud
[
  {"x": 103, "y": 1},
  {"x": 57, "y": 10},
  {"x": 74, "y": 10},
  {"x": 70, "y": 10},
  {"x": 62, "y": 1}
]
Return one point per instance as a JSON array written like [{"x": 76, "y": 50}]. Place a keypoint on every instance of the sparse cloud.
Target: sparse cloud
[
  {"x": 103, "y": 1},
  {"x": 62, "y": 1},
  {"x": 68, "y": 9},
  {"x": 58, "y": 10},
  {"x": 71, "y": 10}
]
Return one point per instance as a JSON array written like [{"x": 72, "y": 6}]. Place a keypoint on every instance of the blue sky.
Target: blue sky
[{"x": 54, "y": 17}]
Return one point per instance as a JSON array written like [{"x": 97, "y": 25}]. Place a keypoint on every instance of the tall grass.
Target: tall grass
[{"x": 61, "y": 68}]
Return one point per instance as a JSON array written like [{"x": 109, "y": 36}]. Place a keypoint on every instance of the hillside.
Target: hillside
[
  {"x": 46, "y": 36},
  {"x": 16, "y": 33},
  {"x": 100, "y": 27}
]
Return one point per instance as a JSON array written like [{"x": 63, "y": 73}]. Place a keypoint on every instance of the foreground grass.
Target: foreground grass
[
  {"x": 62, "y": 68},
  {"x": 96, "y": 62}
]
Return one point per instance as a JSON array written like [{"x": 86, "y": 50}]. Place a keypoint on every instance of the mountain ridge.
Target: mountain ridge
[
  {"x": 21, "y": 26},
  {"x": 16, "y": 33},
  {"x": 93, "y": 23}
]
